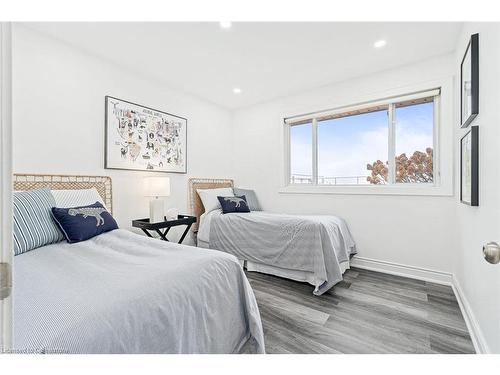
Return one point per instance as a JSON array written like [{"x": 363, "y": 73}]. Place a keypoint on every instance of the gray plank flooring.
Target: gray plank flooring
[{"x": 368, "y": 312}]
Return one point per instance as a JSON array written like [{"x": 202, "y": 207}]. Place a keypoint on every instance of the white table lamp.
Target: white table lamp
[{"x": 156, "y": 187}]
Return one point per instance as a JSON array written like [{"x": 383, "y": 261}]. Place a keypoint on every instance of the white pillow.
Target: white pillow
[
  {"x": 75, "y": 198},
  {"x": 209, "y": 197}
]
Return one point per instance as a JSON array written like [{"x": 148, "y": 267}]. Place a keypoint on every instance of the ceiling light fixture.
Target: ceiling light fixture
[
  {"x": 237, "y": 90},
  {"x": 225, "y": 24},
  {"x": 379, "y": 43}
]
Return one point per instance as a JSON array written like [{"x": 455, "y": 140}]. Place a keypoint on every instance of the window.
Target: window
[
  {"x": 346, "y": 144},
  {"x": 301, "y": 153},
  {"x": 414, "y": 125},
  {"x": 388, "y": 142}
]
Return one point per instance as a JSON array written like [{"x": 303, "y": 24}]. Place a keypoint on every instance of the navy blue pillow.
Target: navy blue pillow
[
  {"x": 84, "y": 222},
  {"x": 233, "y": 204}
]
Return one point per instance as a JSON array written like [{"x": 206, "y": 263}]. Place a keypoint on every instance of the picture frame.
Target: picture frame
[
  {"x": 469, "y": 167},
  {"x": 469, "y": 82},
  {"x": 140, "y": 138}
]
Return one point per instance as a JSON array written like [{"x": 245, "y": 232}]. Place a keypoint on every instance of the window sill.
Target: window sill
[{"x": 429, "y": 190}]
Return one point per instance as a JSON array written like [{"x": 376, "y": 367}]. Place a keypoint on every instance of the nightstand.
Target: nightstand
[{"x": 163, "y": 227}]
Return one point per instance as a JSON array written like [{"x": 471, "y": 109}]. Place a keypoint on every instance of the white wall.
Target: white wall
[
  {"x": 409, "y": 230},
  {"x": 58, "y": 114},
  {"x": 480, "y": 281}
]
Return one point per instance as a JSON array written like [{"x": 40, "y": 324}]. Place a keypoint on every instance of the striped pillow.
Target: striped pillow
[{"x": 33, "y": 224}]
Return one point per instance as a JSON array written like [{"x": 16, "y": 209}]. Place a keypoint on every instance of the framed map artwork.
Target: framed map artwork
[{"x": 144, "y": 139}]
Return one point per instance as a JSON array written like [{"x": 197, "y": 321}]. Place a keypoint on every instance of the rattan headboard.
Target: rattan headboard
[
  {"x": 195, "y": 204},
  {"x": 66, "y": 182}
]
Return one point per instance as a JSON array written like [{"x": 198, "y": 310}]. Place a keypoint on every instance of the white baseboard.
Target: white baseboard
[
  {"x": 418, "y": 273},
  {"x": 475, "y": 331},
  {"x": 437, "y": 277}
]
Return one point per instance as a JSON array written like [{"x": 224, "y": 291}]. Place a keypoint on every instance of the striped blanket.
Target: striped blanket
[
  {"x": 316, "y": 244},
  {"x": 122, "y": 292}
]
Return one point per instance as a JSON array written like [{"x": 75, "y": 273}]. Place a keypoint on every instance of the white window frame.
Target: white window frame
[{"x": 442, "y": 147}]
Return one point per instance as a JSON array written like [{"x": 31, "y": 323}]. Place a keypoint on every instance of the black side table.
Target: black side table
[{"x": 146, "y": 226}]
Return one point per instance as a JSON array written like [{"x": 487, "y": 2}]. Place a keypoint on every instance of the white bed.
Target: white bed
[
  {"x": 313, "y": 249},
  {"x": 121, "y": 292}
]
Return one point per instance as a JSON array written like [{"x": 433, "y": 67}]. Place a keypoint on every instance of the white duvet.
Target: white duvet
[{"x": 122, "y": 292}]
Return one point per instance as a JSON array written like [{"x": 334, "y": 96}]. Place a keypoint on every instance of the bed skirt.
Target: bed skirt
[{"x": 302, "y": 276}]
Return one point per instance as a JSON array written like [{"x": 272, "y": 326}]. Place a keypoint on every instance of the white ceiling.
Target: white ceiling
[{"x": 265, "y": 60}]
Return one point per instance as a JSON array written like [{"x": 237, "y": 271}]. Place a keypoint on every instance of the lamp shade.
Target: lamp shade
[{"x": 156, "y": 186}]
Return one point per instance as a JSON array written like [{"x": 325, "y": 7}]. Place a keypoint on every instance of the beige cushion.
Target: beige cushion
[{"x": 209, "y": 197}]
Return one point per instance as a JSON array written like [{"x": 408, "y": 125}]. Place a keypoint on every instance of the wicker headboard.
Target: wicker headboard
[
  {"x": 66, "y": 182},
  {"x": 195, "y": 204}
]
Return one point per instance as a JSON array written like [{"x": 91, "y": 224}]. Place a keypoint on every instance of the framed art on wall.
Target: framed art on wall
[
  {"x": 143, "y": 139},
  {"x": 469, "y": 167},
  {"x": 469, "y": 82}
]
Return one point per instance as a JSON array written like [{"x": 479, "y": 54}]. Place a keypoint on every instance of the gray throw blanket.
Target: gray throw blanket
[{"x": 317, "y": 244}]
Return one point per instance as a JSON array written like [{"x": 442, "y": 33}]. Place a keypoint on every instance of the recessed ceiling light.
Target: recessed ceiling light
[
  {"x": 225, "y": 24},
  {"x": 379, "y": 43},
  {"x": 237, "y": 90}
]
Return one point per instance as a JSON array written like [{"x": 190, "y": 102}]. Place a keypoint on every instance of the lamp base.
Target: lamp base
[{"x": 156, "y": 211}]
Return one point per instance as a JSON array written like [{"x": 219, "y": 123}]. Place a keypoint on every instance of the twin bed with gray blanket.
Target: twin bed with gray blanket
[
  {"x": 122, "y": 292},
  {"x": 313, "y": 249}
]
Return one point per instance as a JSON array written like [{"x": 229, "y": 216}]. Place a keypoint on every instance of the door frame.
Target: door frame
[{"x": 6, "y": 177}]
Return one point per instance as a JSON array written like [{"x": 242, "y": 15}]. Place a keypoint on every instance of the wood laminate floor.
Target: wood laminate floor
[{"x": 368, "y": 312}]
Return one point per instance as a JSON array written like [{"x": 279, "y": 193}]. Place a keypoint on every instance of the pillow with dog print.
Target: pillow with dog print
[
  {"x": 233, "y": 204},
  {"x": 84, "y": 222}
]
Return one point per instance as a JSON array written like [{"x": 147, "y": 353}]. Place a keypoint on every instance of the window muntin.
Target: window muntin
[{"x": 389, "y": 142}]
